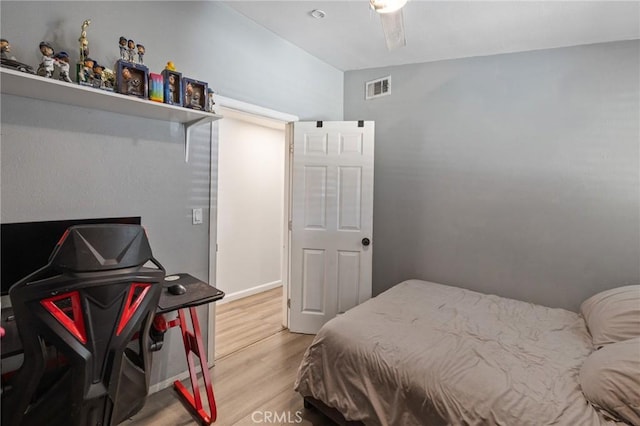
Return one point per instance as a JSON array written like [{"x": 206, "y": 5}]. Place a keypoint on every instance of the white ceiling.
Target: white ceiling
[{"x": 350, "y": 36}]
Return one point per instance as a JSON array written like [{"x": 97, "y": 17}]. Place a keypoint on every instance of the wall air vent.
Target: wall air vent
[{"x": 377, "y": 88}]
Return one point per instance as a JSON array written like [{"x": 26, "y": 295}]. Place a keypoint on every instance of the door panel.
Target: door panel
[{"x": 331, "y": 212}]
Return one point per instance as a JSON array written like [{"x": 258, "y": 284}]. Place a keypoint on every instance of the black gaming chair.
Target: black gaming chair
[{"x": 84, "y": 323}]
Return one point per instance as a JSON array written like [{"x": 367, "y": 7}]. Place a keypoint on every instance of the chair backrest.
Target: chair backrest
[{"x": 77, "y": 318}]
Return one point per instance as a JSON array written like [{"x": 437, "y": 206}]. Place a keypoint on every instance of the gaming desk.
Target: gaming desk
[{"x": 198, "y": 293}]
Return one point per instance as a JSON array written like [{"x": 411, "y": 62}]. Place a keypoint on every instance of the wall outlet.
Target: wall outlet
[{"x": 197, "y": 216}]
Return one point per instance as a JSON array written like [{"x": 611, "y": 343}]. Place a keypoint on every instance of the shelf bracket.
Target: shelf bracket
[{"x": 187, "y": 133}]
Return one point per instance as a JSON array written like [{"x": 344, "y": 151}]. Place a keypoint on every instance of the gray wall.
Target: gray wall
[
  {"x": 513, "y": 174},
  {"x": 63, "y": 162}
]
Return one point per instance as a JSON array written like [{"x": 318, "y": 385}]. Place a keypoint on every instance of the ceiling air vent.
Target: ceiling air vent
[{"x": 379, "y": 87}]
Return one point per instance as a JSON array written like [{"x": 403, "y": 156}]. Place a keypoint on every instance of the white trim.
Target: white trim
[
  {"x": 167, "y": 382},
  {"x": 250, "y": 292},
  {"x": 253, "y": 113}
]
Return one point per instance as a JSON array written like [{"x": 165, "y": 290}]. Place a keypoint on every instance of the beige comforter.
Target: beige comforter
[{"x": 426, "y": 354}]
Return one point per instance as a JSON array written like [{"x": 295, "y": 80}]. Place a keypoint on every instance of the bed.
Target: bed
[{"x": 423, "y": 353}]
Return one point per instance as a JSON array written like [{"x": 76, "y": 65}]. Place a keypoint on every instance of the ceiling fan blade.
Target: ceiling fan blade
[{"x": 393, "y": 27}]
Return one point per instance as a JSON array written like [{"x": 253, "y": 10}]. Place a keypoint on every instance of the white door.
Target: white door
[{"x": 331, "y": 220}]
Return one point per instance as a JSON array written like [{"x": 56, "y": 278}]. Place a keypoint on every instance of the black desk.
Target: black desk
[{"x": 198, "y": 293}]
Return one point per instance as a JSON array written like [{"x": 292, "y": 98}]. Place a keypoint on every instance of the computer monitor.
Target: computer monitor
[{"x": 26, "y": 246}]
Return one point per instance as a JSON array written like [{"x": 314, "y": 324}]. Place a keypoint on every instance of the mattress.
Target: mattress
[{"x": 423, "y": 353}]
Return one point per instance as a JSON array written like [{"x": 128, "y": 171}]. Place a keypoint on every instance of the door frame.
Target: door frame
[{"x": 254, "y": 114}]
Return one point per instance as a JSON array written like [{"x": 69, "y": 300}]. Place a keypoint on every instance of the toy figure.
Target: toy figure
[
  {"x": 5, "y": 48},
  {"x": 210, "y": 101},
  {"x": 84, "y": 43},
  {"x": 172, "y": 89},
  {"x": 86, "y": 75},
  {"x": 108, "y": 79},
  {"x": 170, "y": 66},
  {"x": 140, "y": 53},
  {"x": 46, "y": 66},
  {"x": 97, "y": 75},
  {"x": 62, "y": 62},
  {"x": 122, "y": 43},
  {"x": 132, "y": 84},
  {"x": 131, "y": 51},
  {"x": 192, "y": 97}
]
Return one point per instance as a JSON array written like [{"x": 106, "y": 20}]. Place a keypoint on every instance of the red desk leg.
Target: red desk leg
[{"x": 193, "y": 346}]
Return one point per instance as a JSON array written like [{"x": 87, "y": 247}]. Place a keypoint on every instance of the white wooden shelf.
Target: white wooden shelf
[
  {"x": 36, "y": 87},
  {"x": 32, "y": 86}
]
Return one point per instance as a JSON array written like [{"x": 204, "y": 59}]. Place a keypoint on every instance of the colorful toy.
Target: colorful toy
[{"x": 156, "y": 87}]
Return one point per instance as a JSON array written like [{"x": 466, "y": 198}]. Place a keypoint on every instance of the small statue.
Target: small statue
[
  {"x": 62, "y": 62},
  {"x": 84, "y": 42},
  {"x": 46, "y": 66},
  {"x": 5, "y": 48},
  {"x": 172, "y": 89},
  {"x": 210, "y": 101},
  {"x": 86, "y": 75},
  {"x": 140, "y": 53},
  {"x": 170, "y": 66},
  {"x": 122, "y": 43},
  {"x": 108, "y": 79},
  {"x": 97, "y": 75},
  {"x": 131, "y": 51}
]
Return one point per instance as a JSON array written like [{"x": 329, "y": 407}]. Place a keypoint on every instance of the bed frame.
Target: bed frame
[{"x": 331, "y": 413}]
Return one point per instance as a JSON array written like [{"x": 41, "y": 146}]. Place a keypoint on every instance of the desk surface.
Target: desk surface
[{"x": 198, "y": 293}]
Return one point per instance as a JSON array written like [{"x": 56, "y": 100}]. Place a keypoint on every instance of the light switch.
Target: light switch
[{"x": 197, "y": 216}]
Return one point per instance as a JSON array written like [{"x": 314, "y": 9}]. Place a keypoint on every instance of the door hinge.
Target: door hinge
[
  {"x": 289, "y": 303},
  {"x": 291, "y": 147},
  {"x": 290, "y": 226}
]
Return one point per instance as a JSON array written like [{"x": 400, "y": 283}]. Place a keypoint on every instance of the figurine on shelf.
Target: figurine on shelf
[
  {"x": 46, "y": 65},
  {"x": 192, "y": 97},
  {"x": 5, "y": 48},
  {"x": 11, "y": 62},
  {"x": 173, "y": 85},
  {"x": 85, "y": 76},
  {"x": 170, "y": 66},
  {"x": 122, "y": 43},
  {"x": 108, "y": 79},
  {"x": 84, "y": 42},
  {"x": 131, "y": 51},
  {"x": 210, "y": 101},
  {"x": 140, "y": 53},
  {"x": 97, "y": 75},
  {"x": 62, "y": 62}
]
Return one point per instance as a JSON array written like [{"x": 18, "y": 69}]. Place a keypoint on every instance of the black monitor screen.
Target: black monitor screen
[{"x": 26, "y": 246}]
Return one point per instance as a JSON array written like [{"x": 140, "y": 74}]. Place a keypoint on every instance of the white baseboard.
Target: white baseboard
[
  {"x": 249, "y": 292},
  {"x": 168, "y": 382}
]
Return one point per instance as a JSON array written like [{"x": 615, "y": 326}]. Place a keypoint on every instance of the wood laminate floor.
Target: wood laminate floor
[
  {"x": 245, "y": 321},
  {"x": 252, "y": 381}
]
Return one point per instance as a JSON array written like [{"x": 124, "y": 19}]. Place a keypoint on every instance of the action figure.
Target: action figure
[
  {"x": 97, "y": 75},
  {"x": 62, "y": 62},
  {"x": 140, "y": 53},
  {"x": 123, "y": 48},
  {"x": 172, "y": 89},
  {"x": 210, "y": 101},
  {"x": 46, "y": 66},
  {"x": 131, "y": 51},
  {"x": 86, "y": 75},
  {"x": 5, "y": 48},
  {"x": 84, "y": 43}
]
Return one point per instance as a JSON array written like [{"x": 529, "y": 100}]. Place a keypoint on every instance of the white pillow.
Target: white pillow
[
  {"x": 610, "y": 379},
  {"x": 613, "y": 315}
]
